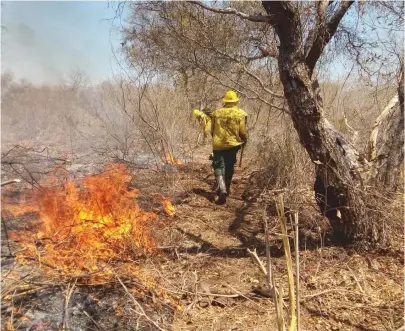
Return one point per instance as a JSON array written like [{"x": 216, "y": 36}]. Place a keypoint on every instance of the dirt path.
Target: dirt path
[
  {"x": 209, "y": 258},
  {"x": 205, "y": 251}
]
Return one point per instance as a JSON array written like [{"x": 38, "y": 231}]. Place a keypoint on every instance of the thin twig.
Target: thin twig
[
  {"x": 309, "y": 296},
  {"x": 246, "y": 297},
  {"x": 256, "y": 259},
  {"x": 68, "y": 295},
  {"x": 254, "y": 18},
  {"x": 6, "y": 235},
  {"x": 356, "y": 280},
  {"x": 92, "y": 319},
  {"x": 235, "y": 295},
  {"x": 16, "y": 180},
  {"x": 141, "y": 311}
]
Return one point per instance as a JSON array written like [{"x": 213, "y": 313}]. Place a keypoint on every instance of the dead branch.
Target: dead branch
[
  {"x": 310, "y": 296},
  {"x": 235, "y": 295},
  {"x": 287, "y": 250},
  {"x": 372, "y": 149},
  {"x": 16, "y": 180},
  {"x": 269, "y": 275},
  {"x": 232, "y": 11},
  {"x": 297, "y": 268},
  {"x": 6, "y": 235},
  {"x": 325, "y": 33},
  {"x": 354, "y": 133},
  {"x": 65, "y": 313},
  {"x": 141, "y": 311},
  {"x": 256, "y": 259}
]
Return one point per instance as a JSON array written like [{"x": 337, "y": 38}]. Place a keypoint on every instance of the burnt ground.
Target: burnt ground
[{"x": 202, "y": 263}]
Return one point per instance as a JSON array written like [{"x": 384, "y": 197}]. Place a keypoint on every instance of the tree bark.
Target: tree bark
[
  {"x": 338, "y": 184},
  {"x": 390, "y": 156},
  {"x": 372, "y": 143}
]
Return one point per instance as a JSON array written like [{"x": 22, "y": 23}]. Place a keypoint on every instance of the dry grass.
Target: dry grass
[
  {"x": 203, "y": 265},
  {"x": 341, "y": 289}
]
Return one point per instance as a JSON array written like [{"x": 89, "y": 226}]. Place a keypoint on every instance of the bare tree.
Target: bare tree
[
  {"x": 294, "y": 34},
  {"x": 205, "y": 52},
  {"x": 78, "y": 79}
]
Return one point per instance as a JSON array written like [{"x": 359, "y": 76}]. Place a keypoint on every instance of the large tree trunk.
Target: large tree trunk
[
  {"x": 338, "y": 184},
  {"x": 390, "y": 156}
]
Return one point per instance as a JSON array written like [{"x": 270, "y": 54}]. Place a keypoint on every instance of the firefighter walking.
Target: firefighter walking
[
  {"x": 205, "y": 123},
  {"x": 228, "y": 130}
]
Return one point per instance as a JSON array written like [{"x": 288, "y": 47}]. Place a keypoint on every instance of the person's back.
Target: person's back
[
  {"x": 228, "y": 130},
  {"x": 228, "y": 127}
]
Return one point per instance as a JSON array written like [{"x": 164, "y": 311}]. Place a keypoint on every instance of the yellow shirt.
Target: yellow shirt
[
  {"x": 228, "y": 127},
  {"x": 205, "y": 122}
]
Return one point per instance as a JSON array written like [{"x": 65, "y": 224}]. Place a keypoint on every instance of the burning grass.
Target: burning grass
[
  {"x": 170, "y": 159},
  {"x": 168, "y": 207},
  {"x": 87, "y": 226},
  {"x": 90, "y": 232}
]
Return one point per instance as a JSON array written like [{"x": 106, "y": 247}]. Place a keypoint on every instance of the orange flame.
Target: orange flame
[
  {"x": 87, "y": 225},
  {"x": 170, "y": 159},
  {"x": 168, "y": 207}
]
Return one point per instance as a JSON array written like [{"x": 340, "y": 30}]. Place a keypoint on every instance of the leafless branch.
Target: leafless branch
[
  {"x": 321, "y": 7},
  {"x": 11, "y": 181},
  {"x": 325, "y": 34},
  {"x": 251, "y": 74},
  {"x": 232, "y": 11},
  {"x": 373, "y": 136},
  {"x": 257, "y": 260}
]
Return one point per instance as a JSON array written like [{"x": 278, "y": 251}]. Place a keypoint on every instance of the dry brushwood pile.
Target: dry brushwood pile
[{"x": 149, "y": 250}]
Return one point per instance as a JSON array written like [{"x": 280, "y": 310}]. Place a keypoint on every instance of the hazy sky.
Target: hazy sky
[{"x": 47, "y": 41}]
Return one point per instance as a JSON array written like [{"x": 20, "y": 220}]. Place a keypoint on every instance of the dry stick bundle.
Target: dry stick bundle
[
  {"x": 270, "y": 280},
  {"x": 65, "y": 314},
  {"x": 271, "y": 284},
  {"x": 297, "y": 268},
  {"x": 269, "y": 276},
  {"x": 286, "y": 244}
]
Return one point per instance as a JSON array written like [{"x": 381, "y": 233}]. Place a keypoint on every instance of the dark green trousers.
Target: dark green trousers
[{"x": 224, "y": 162}]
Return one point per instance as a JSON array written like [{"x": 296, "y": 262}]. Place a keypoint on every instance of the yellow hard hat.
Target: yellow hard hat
[
  {"x": 196, "y": 112},
  {"x": 230, "y": 96}
]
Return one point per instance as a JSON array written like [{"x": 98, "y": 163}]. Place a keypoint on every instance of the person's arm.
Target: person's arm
[
  {"x": 242, "y": 129},
  {"x": 207, "y": 127}
]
